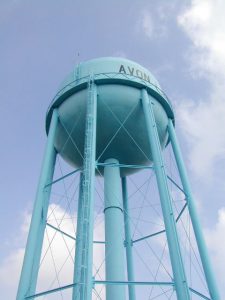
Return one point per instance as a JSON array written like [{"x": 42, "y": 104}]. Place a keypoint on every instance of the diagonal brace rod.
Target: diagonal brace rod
[
  {"x": 133, "y": 282},
  {"x": 170, "y": 179},
  {"x": 63, "y": 177},
  {"x": 123, "y": 165},
  {"x": 70, "y": 236},
  {"x": 161, "y": 231},
  {"x": 199, "y": 294},
  {"x": 68, "y": 286}
]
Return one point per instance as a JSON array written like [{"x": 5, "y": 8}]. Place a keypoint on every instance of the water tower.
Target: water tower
[{"x": 123, "y": 122}]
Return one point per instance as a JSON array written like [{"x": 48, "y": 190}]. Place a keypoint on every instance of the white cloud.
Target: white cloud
[
  {"x": 204, "y": 122},
  {"x": 147, "y": 23},
  {"x": 10, "y": 265},
  {"x": 154, "y": 22},
  {"x": 204, "y": 22},
  {"x": 146, "y": 26},
  {"x": 215, "y": 241},
  {"x": 13, "y": 262}
]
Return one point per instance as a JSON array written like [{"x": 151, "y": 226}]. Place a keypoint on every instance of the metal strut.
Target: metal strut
[
  {"x": 114, "y": 239},
  {"x": 84, "y": 258},
  {"x": 128, "y": 241},
  {"x": 29, "y": 273},
  {"x": 180, "y": 280},
  {"x": 208, "y": 271}
]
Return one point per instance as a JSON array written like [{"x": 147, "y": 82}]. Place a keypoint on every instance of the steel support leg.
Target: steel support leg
[
  {"x": 78, "y": 251},
  {"x": 128, "y": 241},
  {"x": 29, "y": 273},
  {"x": 114, "y": 247},
  {"x": 88, "y": 178},
  {"x": 211, "y": 282},
  {"x": 181, "y": 285}
]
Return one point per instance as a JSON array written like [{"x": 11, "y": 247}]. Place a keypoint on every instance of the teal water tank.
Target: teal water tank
[{"x": 121, "y": 129}]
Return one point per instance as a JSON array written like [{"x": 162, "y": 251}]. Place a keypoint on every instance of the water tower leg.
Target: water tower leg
[
  {"x": 128, "y": 241},
  {"x": 84, "y": 254},
  {"x": 29, "y": 273},
  {"x": 78, "y": 252},
  {"x": 114, "y": 247},
  {"x": 211, "y": 282},
  {"x": 180, "y": 280}
]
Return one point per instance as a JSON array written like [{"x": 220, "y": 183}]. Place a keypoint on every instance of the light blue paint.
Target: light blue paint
[
  {"x": 128, "y": 241},
  {"x": 28, "y": 278},
  {"x": 108, "y": 282},
  {"x": 78, "y": 251},
  {"x": 118, "y": 96},
  {"x": 102, "y": 65},
  {"x": 88, "y": 179},
  {"x": 114, "y": 243},
  {"x": 209, "y": 275},
  {"x": 180, "y": 280}
]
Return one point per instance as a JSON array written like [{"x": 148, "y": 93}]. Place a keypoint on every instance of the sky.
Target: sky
[{"x": 181, "y": 42}]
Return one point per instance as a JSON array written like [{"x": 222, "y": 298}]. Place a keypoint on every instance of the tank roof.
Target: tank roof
[
  {"x": 106, "y": 70},
  {"x": 110, "y": 65}
]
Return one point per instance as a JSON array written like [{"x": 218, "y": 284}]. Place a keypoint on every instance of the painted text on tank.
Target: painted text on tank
[{"x": 134, "y": 72}]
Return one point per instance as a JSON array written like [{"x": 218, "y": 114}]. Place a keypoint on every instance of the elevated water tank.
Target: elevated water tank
[{"x": 121, "y": 130}]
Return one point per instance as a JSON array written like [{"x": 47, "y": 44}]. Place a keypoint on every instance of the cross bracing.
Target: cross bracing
[{"x": 149, "y": 244}]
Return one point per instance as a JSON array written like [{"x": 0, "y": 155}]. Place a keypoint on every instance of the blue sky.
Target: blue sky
[{"x": 183, "y": 45}]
